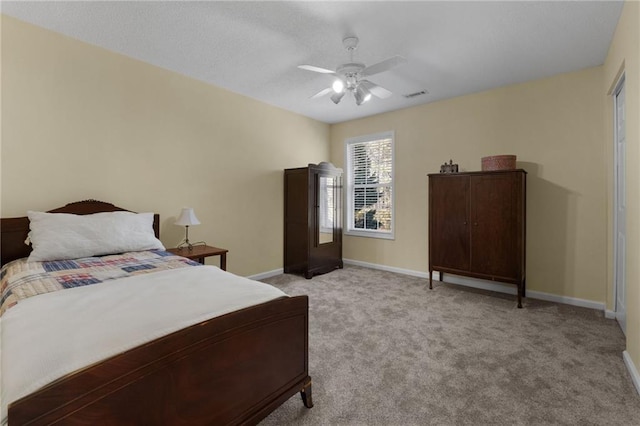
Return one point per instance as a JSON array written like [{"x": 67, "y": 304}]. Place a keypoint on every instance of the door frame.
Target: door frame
[{"x": 620, "y": 84}]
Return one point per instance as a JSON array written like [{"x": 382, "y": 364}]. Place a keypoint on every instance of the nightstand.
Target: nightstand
[{"x": 200, "y": 252}]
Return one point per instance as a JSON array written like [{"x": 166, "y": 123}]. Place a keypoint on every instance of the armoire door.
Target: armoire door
[
  {"x": 325, "y": 239},
  {"x": 449, "y": 222},
  {"x": 494, "y": 229}
]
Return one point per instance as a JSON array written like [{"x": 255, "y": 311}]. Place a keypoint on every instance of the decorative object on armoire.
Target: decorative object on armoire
[
  {"x": 498, "y": 162},
  {"x": 312, "y": 219},
  {"x": 188, "y": 218},
  {"x": 477, "y": 223},
  {"x": 449, "y": 167}
]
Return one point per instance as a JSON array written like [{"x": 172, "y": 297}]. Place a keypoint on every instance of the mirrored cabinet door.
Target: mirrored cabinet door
[{"x": 326, "y": 209}]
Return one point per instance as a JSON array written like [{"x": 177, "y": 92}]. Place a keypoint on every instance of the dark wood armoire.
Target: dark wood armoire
[
  {"x": 312, "y": 219},
  {"x": 477, "y": 223}
]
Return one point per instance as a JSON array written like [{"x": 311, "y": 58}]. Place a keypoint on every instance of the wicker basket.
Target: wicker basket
[{"x": 498, "y": 162}]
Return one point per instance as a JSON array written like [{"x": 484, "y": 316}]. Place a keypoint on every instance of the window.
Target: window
[{"x": 369, "y": 182}]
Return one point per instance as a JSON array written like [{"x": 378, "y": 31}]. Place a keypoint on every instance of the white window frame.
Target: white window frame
[{"x": 349, "y": 229}]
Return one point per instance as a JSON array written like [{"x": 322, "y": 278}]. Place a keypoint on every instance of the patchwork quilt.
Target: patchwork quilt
[{"x": 21, "y": 279}]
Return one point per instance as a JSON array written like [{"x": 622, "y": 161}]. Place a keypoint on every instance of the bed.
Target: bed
[{"x": 231, "y": 369}]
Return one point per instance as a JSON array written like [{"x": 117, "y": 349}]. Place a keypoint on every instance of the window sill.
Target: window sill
[{"x": 370, "y": 234}]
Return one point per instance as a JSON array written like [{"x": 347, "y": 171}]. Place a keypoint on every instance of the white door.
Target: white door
[{"x": 620, "y": 206}]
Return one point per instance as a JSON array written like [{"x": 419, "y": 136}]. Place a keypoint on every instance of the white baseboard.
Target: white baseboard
[
  {"x": 386, "y": 268},
  {"x": 486, "y": 285},
  {"x": 469, "y": 282},
  {"x": 566, "y": 300},
  {"x": 635, "y": 377},
  {"x": 267, "y": 274}
]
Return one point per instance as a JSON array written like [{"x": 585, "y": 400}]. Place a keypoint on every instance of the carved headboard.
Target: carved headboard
[{"x": 13, "y": 231}]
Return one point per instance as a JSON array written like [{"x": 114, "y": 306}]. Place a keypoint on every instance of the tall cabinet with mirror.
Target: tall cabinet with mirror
[{"x": 312, "y": 219}]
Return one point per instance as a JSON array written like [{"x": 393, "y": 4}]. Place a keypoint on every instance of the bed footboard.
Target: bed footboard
[{"x": 234, "y": 369}]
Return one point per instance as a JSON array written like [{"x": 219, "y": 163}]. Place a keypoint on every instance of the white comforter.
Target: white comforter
[{"x": 50, "y": 335}]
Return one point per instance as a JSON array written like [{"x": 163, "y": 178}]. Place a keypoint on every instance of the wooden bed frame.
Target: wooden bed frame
[{"x": 233, "y": 369}]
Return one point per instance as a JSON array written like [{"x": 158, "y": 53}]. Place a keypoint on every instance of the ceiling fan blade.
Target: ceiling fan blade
[
  {"x": 383, "y": 66},
  {"x": 315, "y": 69},
  {"x": 322, "y": 93},
  {"x": 376, "y": 90}
]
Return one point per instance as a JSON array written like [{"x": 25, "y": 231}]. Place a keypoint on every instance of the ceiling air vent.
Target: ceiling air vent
[{"x": 413, "y": 95}]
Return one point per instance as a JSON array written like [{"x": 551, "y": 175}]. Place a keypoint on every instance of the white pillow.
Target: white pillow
[{"x": 58, "y": 236}]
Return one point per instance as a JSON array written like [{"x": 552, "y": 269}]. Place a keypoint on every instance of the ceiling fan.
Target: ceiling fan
[{"x": 351, "y": 77}]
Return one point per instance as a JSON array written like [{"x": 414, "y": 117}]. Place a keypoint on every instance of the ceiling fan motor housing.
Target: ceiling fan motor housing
[
  {"x": 352, "y": 73},
  {"x": 351, "y": 68}
]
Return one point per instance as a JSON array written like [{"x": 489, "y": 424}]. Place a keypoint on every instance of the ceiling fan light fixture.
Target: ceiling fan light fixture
[
  {"x": 338, "y": 86},
  {"x": 362, "y": 94},
  {"x": 337, "y": 97}
]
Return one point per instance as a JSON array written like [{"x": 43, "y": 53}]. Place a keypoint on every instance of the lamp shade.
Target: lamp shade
[
  {"x": 362, "y": 94},
  {"x": 336, "y": 97},
  {"x": 187, "y": 217}
]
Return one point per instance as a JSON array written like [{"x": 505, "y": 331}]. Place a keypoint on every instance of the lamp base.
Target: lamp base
[{"x": 189, "y": 245}]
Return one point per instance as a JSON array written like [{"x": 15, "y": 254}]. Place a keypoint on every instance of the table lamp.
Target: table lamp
[{"x": 188, "y": 218}]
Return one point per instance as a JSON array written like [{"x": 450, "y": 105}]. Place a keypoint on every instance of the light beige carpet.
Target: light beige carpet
[{"x": 386, "y": 350}]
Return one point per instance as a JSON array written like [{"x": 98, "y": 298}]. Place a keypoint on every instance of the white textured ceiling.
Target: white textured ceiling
[{"x": 253, "y": 48}]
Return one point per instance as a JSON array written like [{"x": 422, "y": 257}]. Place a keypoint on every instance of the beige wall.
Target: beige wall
[
  {"x": 82, "y": 122},
  {"x": 555, "y": 128},
  {"x": 624, "y": 56}
]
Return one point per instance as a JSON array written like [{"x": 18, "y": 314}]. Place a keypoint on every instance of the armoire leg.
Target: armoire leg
[{"x": 305, "y": 393}]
